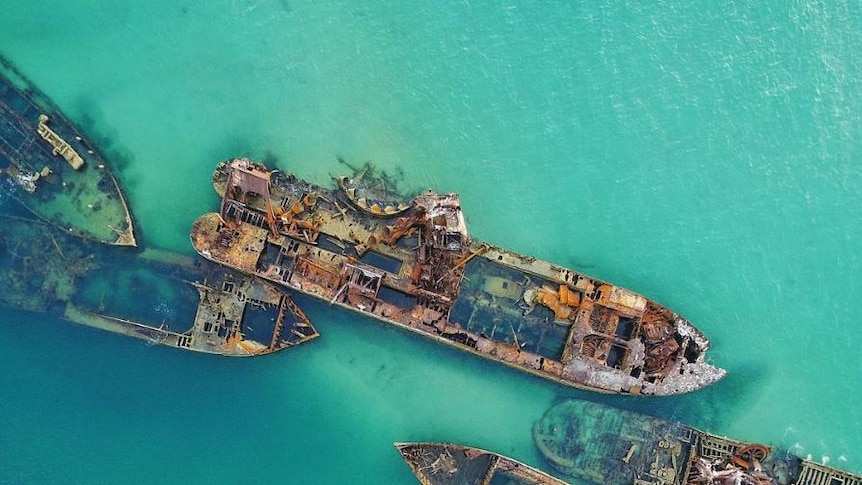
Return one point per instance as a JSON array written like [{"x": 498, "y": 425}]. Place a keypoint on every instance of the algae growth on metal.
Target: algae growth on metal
[
  {"x": 609, "y": 446},
  {"x": 53, "y": 170}
]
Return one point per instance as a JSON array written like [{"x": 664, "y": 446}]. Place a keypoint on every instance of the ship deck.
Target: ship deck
[
  {"x": 81, "y": 195},
  {"x": 160, "y": 297},
  {"x": 490, "y": 303},
  {"x": 449, "y": 464},
  {"x": 422, "y": 271}
]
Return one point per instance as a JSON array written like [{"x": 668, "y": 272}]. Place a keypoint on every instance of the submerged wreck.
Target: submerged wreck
[
  {"x": 49, "y": 166},
  {"x": 159, "y": 297},
  {"x": 418, "y": 268},
  {"x": 448, "y": 464},
  {"x": 609, "y": 446}
]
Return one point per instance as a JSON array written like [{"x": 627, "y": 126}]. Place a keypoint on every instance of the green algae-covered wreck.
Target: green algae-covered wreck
[
  {"x": 609, "y": 446},
  {"x": 53, "y": 170}
]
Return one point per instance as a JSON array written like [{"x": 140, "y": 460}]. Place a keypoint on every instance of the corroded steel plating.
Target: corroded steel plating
[
  {"x": 421, "y": 270},
  {"x": 451, "y": 464}
]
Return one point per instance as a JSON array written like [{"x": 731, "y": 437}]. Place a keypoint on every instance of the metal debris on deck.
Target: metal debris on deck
[
  {"x": 418, "y": 268},
  {"x": 450, "y": 464},
  {"x": 47, "y": 270}
]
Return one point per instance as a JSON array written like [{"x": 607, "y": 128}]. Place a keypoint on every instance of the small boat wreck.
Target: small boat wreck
[
  {"x": 50, "y": 167},
  {"x": 609, "y": 446},
  {"x": 159, "y": 297},
  {"x": 419, "y": 269},
  {"x": 372, "y": 194},
  {"x": 449, "y": 464}
]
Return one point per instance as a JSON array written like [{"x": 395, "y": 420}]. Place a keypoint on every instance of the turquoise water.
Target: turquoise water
[{"x": 706, "y": 156}]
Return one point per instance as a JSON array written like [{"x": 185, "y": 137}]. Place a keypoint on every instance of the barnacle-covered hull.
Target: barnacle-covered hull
[
  {"x": 610, "y": 446},
  {"x": 451, "y": 464},
  {"x": 420, "y": 270},
  {"x": 162, "y": 298},
  {"x": 48, "y": 165}
]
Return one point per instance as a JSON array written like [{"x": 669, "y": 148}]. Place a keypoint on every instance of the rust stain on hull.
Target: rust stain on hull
[
  {"x": 146, "y": 294},
  {"x": 421, "y": 270},
  {"x": 451, "y": 464}
]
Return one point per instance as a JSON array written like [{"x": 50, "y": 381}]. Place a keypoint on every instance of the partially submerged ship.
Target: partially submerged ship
[
  {"x": 371, "y": 192},
  {"x": 609, "y": 446},
  {"x": 450, "y": 464},
  {"x": 418, "y": 268},
  {"x": 159, "y": 297},
  {"x": 51, "y": 168}
]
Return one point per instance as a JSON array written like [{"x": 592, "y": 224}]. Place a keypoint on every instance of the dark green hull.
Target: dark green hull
[
  {"x": 84, "y": 201},
  {"x": 609, "y": 446}
]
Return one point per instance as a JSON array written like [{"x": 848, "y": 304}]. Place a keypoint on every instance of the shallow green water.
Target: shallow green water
[{"x": 705, "y": 156}]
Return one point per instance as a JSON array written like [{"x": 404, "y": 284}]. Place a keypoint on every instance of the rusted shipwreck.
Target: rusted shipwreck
[
  {"x": 450, "y": 464},
  {"x": 50, "y": 167},
  {"x": 160, "y": 297},
  {"x": 609, "y": 446},
  {"x": 419, "y": 269}
]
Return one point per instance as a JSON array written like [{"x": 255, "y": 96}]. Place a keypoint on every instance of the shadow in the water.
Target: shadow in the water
[
  {"x": 270, "y": 159},
  {"x": 231, "y": 146},
  {"x": 711, "y": 409},
  {"x": 102, "y": 135}
]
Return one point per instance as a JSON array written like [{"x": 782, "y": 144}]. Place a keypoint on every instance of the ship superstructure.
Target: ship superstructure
[{"x": 418, "y": 268}]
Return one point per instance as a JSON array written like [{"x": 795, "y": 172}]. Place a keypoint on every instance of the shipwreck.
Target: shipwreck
[
  {"x": 450, "y": 464},
  {"x": 411, "y": 262},
  {"x": 609, "y": 446},
  {"x": 157, "y": 296},
  {"x": 53, "y": 170}
]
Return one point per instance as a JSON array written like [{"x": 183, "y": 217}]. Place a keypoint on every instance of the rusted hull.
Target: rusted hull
[
  {"x": 49, "y": 166},
  {"x": 420, "y": 270},
  {"x": 159, "y": 297},
  {"x": 450, "y": 464},
  {"x": 609, "y": 446}
]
